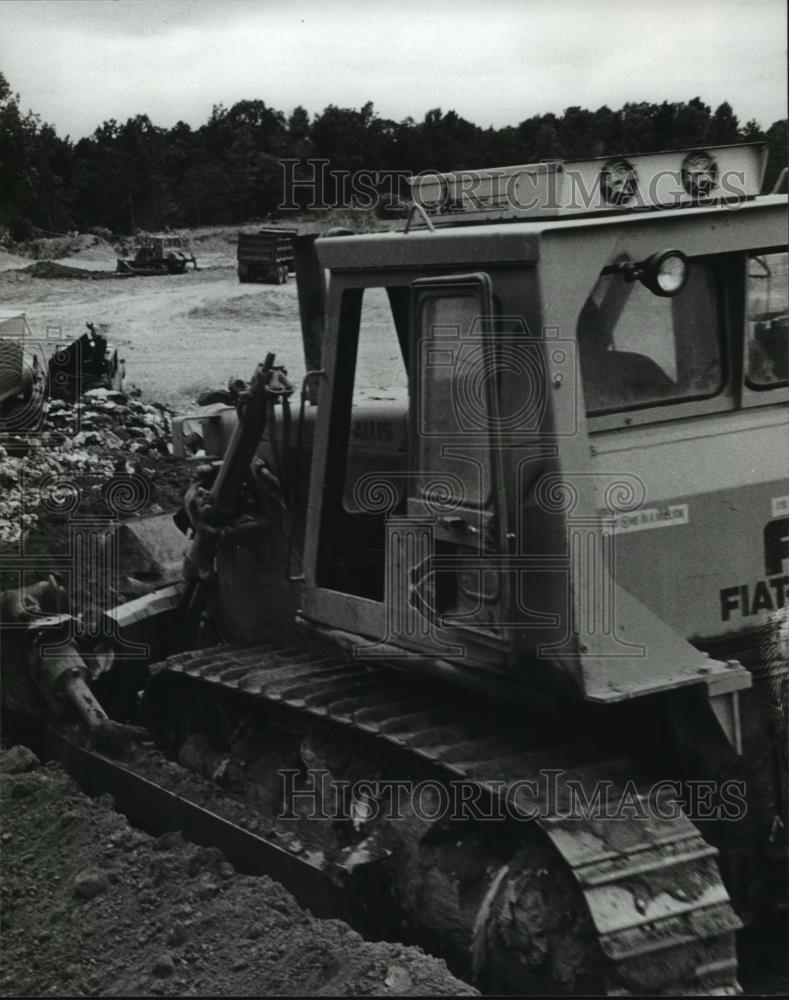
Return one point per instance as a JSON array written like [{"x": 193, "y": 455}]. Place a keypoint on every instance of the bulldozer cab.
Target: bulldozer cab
[
  {"x": 581, "y": 485},
  {"x": 157, "y": 247}
]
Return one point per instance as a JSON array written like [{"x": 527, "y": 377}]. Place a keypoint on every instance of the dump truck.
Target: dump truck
[
  {"x": 266, "y": 255},
  {"x": 157, "y": 254},
  {"x": 509, "y": 648}
]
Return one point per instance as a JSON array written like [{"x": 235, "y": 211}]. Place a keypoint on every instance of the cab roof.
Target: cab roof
[{"x": 759, "y": 222}]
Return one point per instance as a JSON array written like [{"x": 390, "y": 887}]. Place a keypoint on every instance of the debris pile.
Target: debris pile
[
  {"x": 115, "y": 420},
  {"x": 84, "y": 443},
  {"x": 33, "y": 477}
]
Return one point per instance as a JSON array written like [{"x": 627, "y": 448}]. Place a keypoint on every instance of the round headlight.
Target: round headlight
[{"x": 665, "y": 273}]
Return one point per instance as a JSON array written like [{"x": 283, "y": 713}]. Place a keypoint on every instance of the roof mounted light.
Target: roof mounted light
[
  {"x": 618, "y": 181},
  {"x": 663, "y": 273},
  {"x": 699, "y": 174},
  {"x": 726, "y": 175}
]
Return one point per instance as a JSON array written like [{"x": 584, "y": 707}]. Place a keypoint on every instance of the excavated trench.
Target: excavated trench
[
  {"x": 95, "y": 906},
  {"x": 271, "y": 785}
]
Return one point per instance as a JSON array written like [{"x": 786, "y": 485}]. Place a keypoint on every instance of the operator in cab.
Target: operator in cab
[{"x": 615, "y": 379}]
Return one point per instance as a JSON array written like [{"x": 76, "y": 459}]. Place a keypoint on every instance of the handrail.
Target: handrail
[
  {"x": 781, "y": 180},
  {"x": 416, "y": 207}
]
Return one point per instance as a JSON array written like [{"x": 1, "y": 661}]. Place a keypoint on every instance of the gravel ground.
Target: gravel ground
[
  {"x": 180, "y": 334},
  {"x": 93, "y": 907}
]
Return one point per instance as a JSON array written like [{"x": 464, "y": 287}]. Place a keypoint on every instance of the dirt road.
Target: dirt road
[{"x": 180, "y": 334}]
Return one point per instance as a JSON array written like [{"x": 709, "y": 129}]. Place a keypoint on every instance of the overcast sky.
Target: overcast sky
[{"x": 80, "y": 62}]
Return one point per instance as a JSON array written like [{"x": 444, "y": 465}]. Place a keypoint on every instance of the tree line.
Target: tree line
[{"x": 135, "y": 175}]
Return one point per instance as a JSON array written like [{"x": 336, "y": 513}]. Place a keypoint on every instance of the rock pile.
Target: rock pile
[
  {"x": 32, "y": 477},
  {"x": 114, "y": 420},
  {"x": 81, "y": 442}
]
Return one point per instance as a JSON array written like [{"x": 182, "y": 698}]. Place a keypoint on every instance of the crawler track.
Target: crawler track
[{"x": 660, "y": 912}]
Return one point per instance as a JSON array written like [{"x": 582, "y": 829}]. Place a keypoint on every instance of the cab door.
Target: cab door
[{"x": 450, "y": 554}]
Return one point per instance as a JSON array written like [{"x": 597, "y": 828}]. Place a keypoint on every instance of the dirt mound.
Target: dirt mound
[
  {"x": 49, "y": 269},
  {"x": 86, "y": 246},
  {"x": 247, "y": 307},
  {"x": 93, "y": 907}
]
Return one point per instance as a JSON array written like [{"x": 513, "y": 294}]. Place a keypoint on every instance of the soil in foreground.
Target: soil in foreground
[{"x": 92, "y": 906}]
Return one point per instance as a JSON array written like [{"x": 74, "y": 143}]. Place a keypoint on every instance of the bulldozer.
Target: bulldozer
[
  {"x": 539, "y": 593},
  {"x": 157, "y": 254}
]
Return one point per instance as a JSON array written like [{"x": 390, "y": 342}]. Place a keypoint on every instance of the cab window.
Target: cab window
[
  {"x": 380, "y": 399},
  {"x": 454, "y": 378},
  {"x": 638, "y": 349},
  {"x": 767, "y": 321}
]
